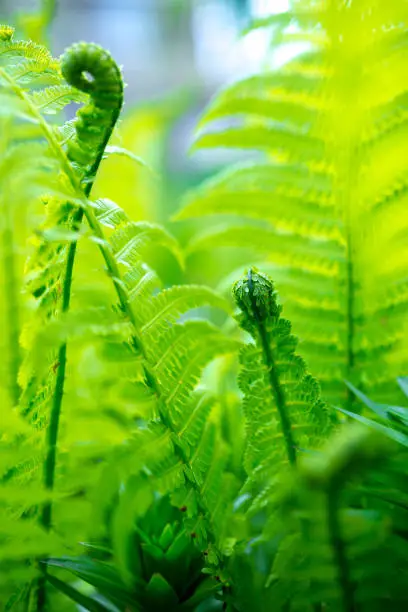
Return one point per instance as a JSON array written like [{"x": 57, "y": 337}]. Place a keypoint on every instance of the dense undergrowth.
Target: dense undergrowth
[{"x": 175, "y": 446}]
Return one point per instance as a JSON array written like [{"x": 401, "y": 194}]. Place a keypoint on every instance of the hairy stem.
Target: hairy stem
[
  {"x": 274, "y": 383},
  {"x": 339, "y": 550}
]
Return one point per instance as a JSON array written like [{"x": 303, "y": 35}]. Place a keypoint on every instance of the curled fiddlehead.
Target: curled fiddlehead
[
  {"x": 256, "y": 297},
  {"x": 91, "y": 69}
]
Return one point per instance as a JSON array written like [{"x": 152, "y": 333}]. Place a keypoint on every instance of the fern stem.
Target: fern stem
[
  {"x": 12, "y": 319},
  {"x": 350, "y": 318},
  {"x": 339, "y": 549},
  {"x": 274, "y": 383},
  {"x": 12, "y": 308},
  {"x": 347, "y": 181},
  {"x": 53, "y": 428},
  {"x": 278, "y": 395},
  {"x": 150, "y": 377}
]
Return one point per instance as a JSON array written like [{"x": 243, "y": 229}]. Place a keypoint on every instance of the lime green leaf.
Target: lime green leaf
[{"x": 83, "y": 600}]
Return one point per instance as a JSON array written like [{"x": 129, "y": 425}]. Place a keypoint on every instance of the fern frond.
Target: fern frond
[
  {"x": 282, "y": 405},
  {"x": 278, "y": 139},
  {"x": 123, "y": 247},
  {"x": 129, "y": 240},
  {"x": 27, "y": 49},
  {"x": 357, "y": 544},
  {"x": 53, "y": 99},
  {"x": 169, "y": 306},
  {"x": 330, "y": 127}
]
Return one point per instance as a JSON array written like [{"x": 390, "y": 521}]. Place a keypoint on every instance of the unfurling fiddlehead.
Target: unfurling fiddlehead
[
  {"x": 280, "y": 397},
  {"x": 92, "y": 70},
  {"x": 256, "y": 297}
]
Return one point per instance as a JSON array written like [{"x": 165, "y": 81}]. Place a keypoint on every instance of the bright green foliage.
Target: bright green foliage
[
  {"x": 334, "y": 537},
  {"x": 323, "y": 204},
  {"x": 141, "y": 468},
  {"x": 164, "y": 565},
  {"x": 89, "y": 367},
  {"x": 344, "y": 518},
  {"x": 390, "y": 420},
  {"x": 282, "y": 406}
]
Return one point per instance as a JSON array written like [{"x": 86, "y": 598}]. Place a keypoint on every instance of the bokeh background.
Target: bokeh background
[
  {"x": 175, "y": 54},
  {"x": 164, "y": 44}
]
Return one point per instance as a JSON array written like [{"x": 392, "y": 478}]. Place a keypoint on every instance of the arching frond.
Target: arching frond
[
  {"x": 121, "y": 352},
  {"x": 328, "y": 192}
]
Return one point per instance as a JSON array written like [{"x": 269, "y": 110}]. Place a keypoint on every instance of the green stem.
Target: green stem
[
  {"x": 350, "y": 318},
  {"x": 53, "y": 428},
  {"x": 150, "y": 378},
  {"x": 12, "y": 319},
  {"x": 274, "y": 384},
  {"x": 339, "y": 549},
  {"x": 12, "y": 306},
  {"x": 348, "y": 182}
]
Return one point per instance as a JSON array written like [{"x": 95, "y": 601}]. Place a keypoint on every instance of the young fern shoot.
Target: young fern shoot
[
  {"x": 256, "y": 298},
  {"x": 164, "y": 355},
  {"x": 281, "y": 400},
  {"x": 91, "y": 69},
  {"x": 94, "y": 127}
]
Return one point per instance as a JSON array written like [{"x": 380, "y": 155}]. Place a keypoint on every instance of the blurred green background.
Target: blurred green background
[{"x": 175, "y": 55}]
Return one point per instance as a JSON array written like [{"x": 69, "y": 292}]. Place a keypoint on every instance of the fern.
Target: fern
[
  {"x": 390, "y": 420},
  {"x": 146, "y": 339},
  {"x": 350, "y": 544},
  {"x": 324, "y": 530},
  {"x": 326, "y": 198},
  {"x": 138, "y": 471},
  {"x": 282, "y": 407}
]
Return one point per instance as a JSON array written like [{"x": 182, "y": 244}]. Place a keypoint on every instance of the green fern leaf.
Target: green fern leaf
[
  {"x": 330, "y": 172},
  {"x": 53, "y": 99},
  {"x": 337, "y": 532},
  {"x": 282, "y": 405}
]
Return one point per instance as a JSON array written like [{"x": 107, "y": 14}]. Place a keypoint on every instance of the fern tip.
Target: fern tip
[
  {"x": 6, "y": 32},
  {"x": 255, "y": 295}
]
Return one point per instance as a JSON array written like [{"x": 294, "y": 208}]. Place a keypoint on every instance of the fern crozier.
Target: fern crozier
[{"x": 255, "y": 296}]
